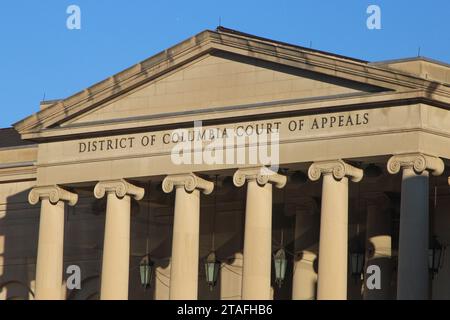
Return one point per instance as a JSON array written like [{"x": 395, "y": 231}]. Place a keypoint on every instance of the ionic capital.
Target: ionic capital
[
  {"x": 53, "y": 193},
  {"x": 417, "y": 161},
  {"x": 262, "y": 175},
  {"x": 338, "y": 168},
  {"x": 120, "y": 188},
  {"x": 188, "y": 181}
]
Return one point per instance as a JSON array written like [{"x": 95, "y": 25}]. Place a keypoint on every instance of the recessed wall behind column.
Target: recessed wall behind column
[{"x": 18, "y": 241}]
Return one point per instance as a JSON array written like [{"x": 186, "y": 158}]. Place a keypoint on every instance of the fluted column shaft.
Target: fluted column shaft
[
  {"x": 49, "y": 265},
  {"x": 186, "y": 227},
  {"x": 333, "y": 245},
  {"x": 258, "y": 230},
  {"x": 412, "y": 280},
  {"x": 116, "y": 245}
]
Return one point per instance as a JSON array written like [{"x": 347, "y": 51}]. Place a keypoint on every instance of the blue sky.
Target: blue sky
[{"x": 40, "y": 56}]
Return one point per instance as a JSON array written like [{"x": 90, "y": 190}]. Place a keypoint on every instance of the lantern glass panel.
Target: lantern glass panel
[
  {"x": 146, "y": 271},
  {"x": 431, "y": 259},
  {"x": 280, "y": 263},
  {"x": 357, "y": 263},
  {"x": 212, "y": 267}
]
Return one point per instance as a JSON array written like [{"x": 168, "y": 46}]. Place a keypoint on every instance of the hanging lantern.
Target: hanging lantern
[
  {"x": 146, "y": 271},
  {"x": 435, "y": 253},
  {"x": 357, "y": 263},
  {"x": 280, "y": 263},
  {"x": 212, "y": 266}
]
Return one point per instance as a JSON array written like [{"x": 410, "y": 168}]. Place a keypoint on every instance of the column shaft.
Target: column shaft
[
  {"x": 378, "y": 251},
  {"x": 413, "y": 240},
  {"x": 49, "y": 266},
  {"x": 257, "y": 242},
  {"x": 162, "y": 280},
  {"x": 116, "y": 248},
  {"x": 304, "y": 281},
  {"x": 185, "y": 245},
  {"x": 412, "y": 279},
  {"x": 186, "y": 232},
  {"x": 333, "y": 252}
]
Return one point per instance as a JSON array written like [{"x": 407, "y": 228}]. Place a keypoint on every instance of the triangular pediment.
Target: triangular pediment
[
  {"x": 220, "y": 80},
  {"x": 216, "y": 70}
]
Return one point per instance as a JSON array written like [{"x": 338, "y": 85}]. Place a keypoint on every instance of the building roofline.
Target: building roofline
[
  {"x": 222, "y": 29},
  {"x": 51, "y": 101},
  {"x": 419, "y": 58},
  {"x": 223, "y": 39}
]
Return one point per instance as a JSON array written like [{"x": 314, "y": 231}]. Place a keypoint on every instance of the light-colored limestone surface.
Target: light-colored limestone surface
[{"x": 108, "y": 152}]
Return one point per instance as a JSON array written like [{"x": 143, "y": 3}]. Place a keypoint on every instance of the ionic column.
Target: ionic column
[
  {"x": 333, "y": 245},
  {"x": 116, "y": 245},
  {"x": 378, "y": 245},
  {"x": 412, "y": 280},
  {"x": 49, "y": 265},
  {"x": 186, "y": 226},
  {"x": 258, "y": 230},
  {"x": 304, "y": 280}
]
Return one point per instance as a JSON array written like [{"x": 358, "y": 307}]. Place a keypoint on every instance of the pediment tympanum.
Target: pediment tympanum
[{"x": 218, "y": 81}]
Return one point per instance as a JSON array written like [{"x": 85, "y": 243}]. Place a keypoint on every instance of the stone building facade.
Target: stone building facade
[{"x": 358, "y": 171}]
